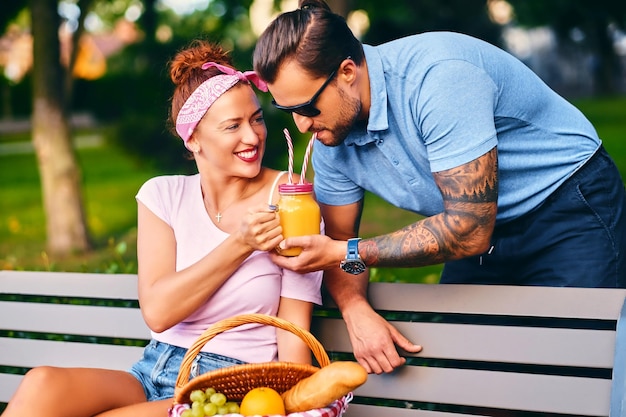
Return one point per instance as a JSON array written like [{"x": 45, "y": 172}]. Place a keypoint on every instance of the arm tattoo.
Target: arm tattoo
[{"x": 470, "y": 195}]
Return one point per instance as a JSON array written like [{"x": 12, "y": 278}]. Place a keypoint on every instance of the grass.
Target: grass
[
  {"x": 111, "y": 180},
  {"x": 609, "y": 117}
]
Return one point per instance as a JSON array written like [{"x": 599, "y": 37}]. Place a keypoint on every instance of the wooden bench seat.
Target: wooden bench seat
[{"x": 488, "y": 350}]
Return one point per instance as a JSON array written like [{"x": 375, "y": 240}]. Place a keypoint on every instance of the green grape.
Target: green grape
[
  {"x": 210, "y": 409},
  {"x": 186, "y": 413},
  {"x": 197, "y": 412},
  {"x": 222, "y": 409},
  {"x": 196, "y": 405},
  {"x": 218, "y": 399},
  {"x": 198, "y": 395},
  {"x": 233, "y": 407},
  {"x": 209, "y": 391}
]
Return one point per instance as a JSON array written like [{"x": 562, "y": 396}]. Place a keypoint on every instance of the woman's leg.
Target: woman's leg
[
  {"x": 147, "y": 409},
  {"x": 73, "y": 392}
]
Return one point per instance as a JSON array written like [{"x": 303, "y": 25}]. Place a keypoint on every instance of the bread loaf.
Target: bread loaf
[{"x": 324, "y": 386}]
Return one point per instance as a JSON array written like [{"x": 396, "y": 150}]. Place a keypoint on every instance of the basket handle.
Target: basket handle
[{"x": 221, "y": 326}]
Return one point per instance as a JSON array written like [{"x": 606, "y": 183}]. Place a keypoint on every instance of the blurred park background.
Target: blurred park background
[{"x": 84, "y": 96}]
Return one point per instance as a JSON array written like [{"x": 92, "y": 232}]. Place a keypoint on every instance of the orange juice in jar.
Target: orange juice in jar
[{"x": 299, "y": 213}]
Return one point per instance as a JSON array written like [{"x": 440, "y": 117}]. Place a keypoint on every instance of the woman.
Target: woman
[{"x": 202, "y": 254}]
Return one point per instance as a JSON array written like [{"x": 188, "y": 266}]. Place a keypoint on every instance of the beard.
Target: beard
[{"x": 349, "y": 110}]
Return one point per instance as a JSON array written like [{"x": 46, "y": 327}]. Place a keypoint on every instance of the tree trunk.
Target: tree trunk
[{"x": 58, "y": 168}]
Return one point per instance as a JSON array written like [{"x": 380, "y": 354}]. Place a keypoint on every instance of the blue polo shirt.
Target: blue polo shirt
[{"x": 440, "y": 100}]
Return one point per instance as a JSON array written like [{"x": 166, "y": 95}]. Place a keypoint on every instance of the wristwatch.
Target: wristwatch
[{"x": 353, "y": 263}]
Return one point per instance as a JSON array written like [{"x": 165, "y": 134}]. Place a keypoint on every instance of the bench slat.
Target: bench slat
[
  {"x": 115, "y": 286},
  {"x": 596, "y": 303},
  {"x": 73, "y": 319},
  {"x": 592, "y": 303},
  {"x": 29, "y": 353},
  {"x": 359, "y": 410},
  {"x": 8, "y": 385},
  {"x": 565, "y": 347},
  {"x": 509, "y": 390}
]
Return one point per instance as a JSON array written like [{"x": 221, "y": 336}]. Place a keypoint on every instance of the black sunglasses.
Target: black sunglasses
[{"x": 307, "y": 109}]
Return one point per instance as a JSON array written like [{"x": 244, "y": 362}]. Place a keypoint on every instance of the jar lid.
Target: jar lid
[{"x": 307, "y": 187}]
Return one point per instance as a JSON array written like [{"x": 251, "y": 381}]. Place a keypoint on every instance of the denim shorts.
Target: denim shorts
[
  {"x": 158, "y": 369},
  {"x": 576, "y": 238}
]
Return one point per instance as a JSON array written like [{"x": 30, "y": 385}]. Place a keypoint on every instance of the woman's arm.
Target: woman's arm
[
  {"x": 168, "y": 296},
  {"x": 290, "y": 347}
]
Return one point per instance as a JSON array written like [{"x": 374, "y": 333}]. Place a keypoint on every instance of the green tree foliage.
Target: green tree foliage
[
  {"x": 134, "y": 94},
  {"x": 9, "y": 11},
  {"x": 592, "y": 18},
  {"x": 390, "y": 20}
]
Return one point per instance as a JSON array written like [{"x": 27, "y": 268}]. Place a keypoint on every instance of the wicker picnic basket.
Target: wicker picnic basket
[{"x": 235, "y": 381}]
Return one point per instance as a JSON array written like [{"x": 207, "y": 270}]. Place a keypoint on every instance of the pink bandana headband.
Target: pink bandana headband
[{"x": 205, "y": 95}]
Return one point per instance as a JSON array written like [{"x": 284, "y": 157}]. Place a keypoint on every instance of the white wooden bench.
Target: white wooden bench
[{"x": 488, "y": 350}]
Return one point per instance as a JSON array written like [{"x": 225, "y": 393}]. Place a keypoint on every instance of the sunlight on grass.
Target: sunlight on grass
[{"x": 111, "y": 181}]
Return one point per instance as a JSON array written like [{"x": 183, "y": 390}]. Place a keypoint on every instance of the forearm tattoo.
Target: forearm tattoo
[{"x": 470, "y": 195}]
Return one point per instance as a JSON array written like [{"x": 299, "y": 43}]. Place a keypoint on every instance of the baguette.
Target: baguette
[{"x": 324, "y": 386}]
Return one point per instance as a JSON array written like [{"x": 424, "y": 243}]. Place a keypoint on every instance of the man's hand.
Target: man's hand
[
  {"x": 319, "y": 252},
  {"x": 374, "y": 340}
]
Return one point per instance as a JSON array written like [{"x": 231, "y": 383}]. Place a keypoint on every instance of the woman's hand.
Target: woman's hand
[{"x": 260, "y": 228}]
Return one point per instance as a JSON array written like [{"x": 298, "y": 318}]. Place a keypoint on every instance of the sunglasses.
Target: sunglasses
[{"x": 307, "y": 109}]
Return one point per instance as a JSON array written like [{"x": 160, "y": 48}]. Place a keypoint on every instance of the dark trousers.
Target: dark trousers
[{"x": 576, "y": 238}]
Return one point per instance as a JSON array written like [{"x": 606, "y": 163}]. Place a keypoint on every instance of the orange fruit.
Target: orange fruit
[{"x": 263, "y": 401}]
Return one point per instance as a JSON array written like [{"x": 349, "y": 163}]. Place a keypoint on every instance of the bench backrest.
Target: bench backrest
[
  {"x": 67, "y": 319},
  {"x": 495, "y": 351},
  {"x": 488, "y": 350}
]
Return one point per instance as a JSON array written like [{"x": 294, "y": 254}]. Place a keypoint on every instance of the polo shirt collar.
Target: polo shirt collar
[{"x": 377, "y": 120}]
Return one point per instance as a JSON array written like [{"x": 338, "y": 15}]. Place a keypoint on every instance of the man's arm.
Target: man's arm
[
  {"x": 373, "y": 339},
  {"x": 470, "y": 197},
  {"x": 464, "y": 228},
  {"x": 470, "y": 194},
  {"x": 342, "y": 223}
]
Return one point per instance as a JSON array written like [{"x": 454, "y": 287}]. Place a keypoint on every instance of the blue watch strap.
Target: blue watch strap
[{"x": 353, "y": 248}]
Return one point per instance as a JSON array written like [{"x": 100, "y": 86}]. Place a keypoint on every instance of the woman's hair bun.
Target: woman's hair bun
[{"x": 188, "y": 62}]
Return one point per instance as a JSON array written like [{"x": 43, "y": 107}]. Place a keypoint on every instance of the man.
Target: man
[{"x": 513, "y": 180}]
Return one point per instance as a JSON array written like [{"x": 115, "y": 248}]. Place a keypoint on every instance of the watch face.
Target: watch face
[{"x": 353, "y": 267}]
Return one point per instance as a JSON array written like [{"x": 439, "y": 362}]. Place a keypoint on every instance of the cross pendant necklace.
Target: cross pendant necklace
[{"x": 219, "y": 214}]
